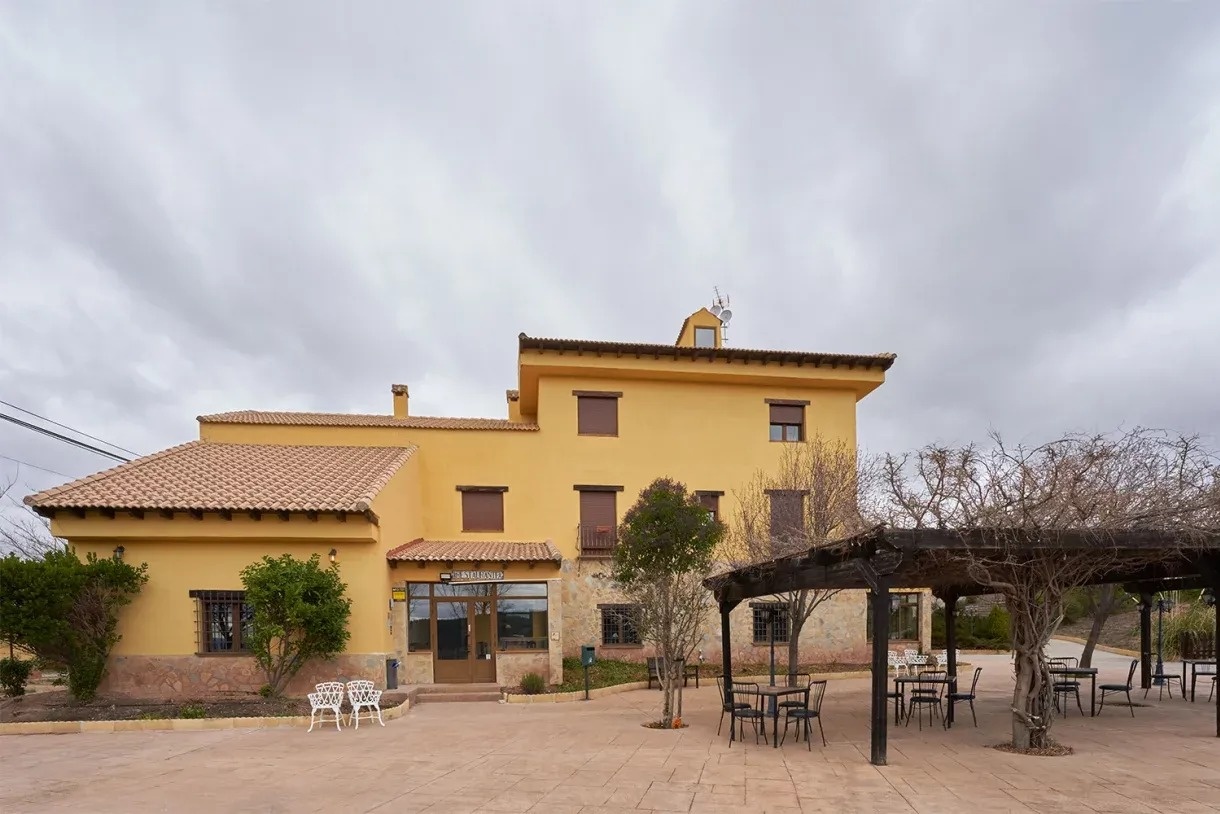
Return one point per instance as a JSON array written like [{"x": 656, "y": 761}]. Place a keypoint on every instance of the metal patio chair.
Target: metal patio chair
[
  {"x": 810, "y": 709},
  {"x": 1123, "y": 688},
  {"x": 726, "y": 706},
  {"x": 362, "y": 695},
  {"x": 327, "y": 696}
]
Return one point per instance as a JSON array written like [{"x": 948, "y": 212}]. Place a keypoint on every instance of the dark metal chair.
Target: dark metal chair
[
  {"x": 969, "y": 696},
  {"x": 810, "y": 709},
  {"x": 900, "y": 706},
  {"x": 793, "y": 680},
  {"x": 1117, "y": 688},
  {"x": 726, "y": 706},
  {"x": 1213, "y": 691},
  {"x": 751, "y": 699},
  {"x": 1062, "y": 687},
  {"x": 929, "y": 692},
  {"x": 1166, "y": 683}
]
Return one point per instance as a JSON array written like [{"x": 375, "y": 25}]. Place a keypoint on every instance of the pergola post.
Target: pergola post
[
  {"x": 879, "y": 599},
  {"x": 726, "y": 659},
  {"x": 950, "y": 600},
  {"x": 1145, "y": 639},
  {"x": 1210, "y": 568}
]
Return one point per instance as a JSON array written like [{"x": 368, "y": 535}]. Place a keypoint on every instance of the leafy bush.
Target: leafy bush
[
  {"x": 67, "y": 611},
  {"x": 266, "y": 691},
  {"x": 300, "y": 613},
  {"x": 1196, "y": 620},
  {"x": 603, "y": 673},
  {"x": 990, "y": 632},
  {"x": 14, "y": 673},
  {"x": 192, "y": 711},
  {"x": 532, "y": 684}
]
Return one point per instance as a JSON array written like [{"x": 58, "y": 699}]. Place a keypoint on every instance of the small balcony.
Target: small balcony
[{"x": 596, "y": 541}]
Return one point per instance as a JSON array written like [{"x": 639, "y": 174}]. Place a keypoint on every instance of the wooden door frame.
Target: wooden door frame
[{"x": 472, "y": 663}]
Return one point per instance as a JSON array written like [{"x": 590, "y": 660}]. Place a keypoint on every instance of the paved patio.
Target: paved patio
[{"x": 595, "y": 757}]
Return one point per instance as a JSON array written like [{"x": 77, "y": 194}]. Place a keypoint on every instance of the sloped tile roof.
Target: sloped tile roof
[
  {"x": 882, "y": 361},
  {"x": 363, "y": 420},
  {"x": 208, "y": 476},
  {"x": 475, "y": 551}
]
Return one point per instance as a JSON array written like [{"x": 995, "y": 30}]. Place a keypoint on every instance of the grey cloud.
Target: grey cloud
[{"x": 207, "y": 207}]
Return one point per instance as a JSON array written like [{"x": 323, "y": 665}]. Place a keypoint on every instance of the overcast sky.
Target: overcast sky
[{"x": 292, "y": 205}]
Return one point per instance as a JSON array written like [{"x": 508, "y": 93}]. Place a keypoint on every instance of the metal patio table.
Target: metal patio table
[
  {"x": 1195, "y": 664},
  {"x": 1081, "y": 672},
  {"x": 773, "y": 694},
  {"x": 951, "y": 681}
]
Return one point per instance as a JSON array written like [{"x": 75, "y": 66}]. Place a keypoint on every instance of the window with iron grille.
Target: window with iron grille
[
  {"x": 762, "y": 616},
  {"x": 224, "y": 621},
  {"x": 619, "y": 624}
]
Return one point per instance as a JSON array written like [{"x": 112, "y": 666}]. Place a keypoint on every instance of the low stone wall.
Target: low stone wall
[
  {"x": 202, "y": 676},
  {"x": 180, "y": 724},
  {"x": 512, "y": 666}
]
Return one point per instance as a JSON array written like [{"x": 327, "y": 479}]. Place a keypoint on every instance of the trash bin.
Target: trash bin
[
  {"x": 588, "y": 655},
  {"x": 391, "y": 674}
]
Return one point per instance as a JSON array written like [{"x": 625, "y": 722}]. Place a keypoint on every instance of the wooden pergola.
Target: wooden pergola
[{"x": 1144, "y": 562}]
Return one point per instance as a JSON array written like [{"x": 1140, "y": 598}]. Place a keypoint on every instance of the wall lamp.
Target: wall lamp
[
  {"x": 118, "y": 553},
  {"x": 334, "y": 552}
]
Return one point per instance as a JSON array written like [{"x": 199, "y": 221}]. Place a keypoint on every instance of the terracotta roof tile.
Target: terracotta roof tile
[
  {"x": 475, "y": 551},
  {"x": 210, "y": 476},
  {"x": 878, "y": 360},
  {"x": 363, "y": 420}
]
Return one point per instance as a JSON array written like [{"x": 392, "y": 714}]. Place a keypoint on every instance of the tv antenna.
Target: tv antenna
[{"x": 720, "y": 308}]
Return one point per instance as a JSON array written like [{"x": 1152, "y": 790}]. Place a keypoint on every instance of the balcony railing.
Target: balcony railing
[{"x": 596, "y": 541}]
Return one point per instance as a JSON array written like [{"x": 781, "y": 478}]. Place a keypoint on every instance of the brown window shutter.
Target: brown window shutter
[
  {"x": 787, "y": 414},
  {"x": 711, "y": 503},
  {"x": 598, "y": 509},
  {"x": 482, "y": 511},
  {"x": 596, "y": 415}
]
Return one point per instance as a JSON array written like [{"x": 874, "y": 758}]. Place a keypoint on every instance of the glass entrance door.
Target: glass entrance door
[{"x": 465, "y": 649}]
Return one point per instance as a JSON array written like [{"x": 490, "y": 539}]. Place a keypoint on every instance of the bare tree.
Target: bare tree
[
  {"x": 811, "y": 497},
  {"x": 22, "y": 532},
  {"x": 1080, "y": 484}
]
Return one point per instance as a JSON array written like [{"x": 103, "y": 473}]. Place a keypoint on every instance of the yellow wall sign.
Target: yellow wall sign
[{"x": 398, "y": 594}]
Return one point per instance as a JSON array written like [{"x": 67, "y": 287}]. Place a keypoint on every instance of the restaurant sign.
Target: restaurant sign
[{"x": 472, "y": 576}]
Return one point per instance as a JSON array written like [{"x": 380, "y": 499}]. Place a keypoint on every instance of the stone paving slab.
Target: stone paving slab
[{"x": 596, "y": 757}]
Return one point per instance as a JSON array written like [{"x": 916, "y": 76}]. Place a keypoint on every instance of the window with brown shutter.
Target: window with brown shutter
[
  {"x": 482, "y": 509},
  {"x": 711, "y": 502},
  {"x": 596, "y": 413},
  {"x": 787, "y": 420},
  {"x": 598, "y": 522},
  {"x": 787, "y": 514}
]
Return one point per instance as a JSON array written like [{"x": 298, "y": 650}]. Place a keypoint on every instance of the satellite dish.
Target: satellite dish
[
  {"x": 725, "y": 316},
  {"x": 716, "y": 309}
]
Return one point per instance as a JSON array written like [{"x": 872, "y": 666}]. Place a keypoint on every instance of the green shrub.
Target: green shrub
[
  {"x": 14, "y": 674},
  {"x": 266, "y": 691},
  {"x": 192, "y": 711},
  {"x": 532, "y": 684},
  {"x": 1195, "y": 619}
]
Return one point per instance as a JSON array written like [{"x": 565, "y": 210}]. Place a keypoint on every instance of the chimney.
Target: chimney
[{"x": 400, "y": 400}]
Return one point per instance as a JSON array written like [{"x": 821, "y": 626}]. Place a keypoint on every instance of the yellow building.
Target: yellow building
[{"x": 473, "y": 548}]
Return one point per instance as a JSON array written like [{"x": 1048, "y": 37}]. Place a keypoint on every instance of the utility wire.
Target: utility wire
[
  {"x": 64, "y": 438},
  {"x": 66, "y": 427},
  {"x": 34, "y": 466}
]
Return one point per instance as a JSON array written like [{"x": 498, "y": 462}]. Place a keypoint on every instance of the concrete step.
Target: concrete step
[
  {"x": 434, "y": 693},
  {"x": 451, "y": 697}
]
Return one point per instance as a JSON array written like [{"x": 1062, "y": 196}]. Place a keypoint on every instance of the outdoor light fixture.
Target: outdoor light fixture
[
  {"x": 1162, "y": 605},
  {"x": 334, "y": 552},
  {"x": 118, "y": 553}
]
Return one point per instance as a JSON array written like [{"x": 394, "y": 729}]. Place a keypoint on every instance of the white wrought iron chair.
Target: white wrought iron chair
[
  {"x": 916, "y": 660},
  {"x": 362, "y": 695},
  {"x": 326, "y": 696},
  {"x": 898, "y": 663}
]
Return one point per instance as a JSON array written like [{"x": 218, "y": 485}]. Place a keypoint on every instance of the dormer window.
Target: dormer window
[{"x": 705, "y": 337}]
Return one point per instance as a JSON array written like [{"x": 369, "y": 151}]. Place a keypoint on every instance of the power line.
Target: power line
[
  {"x": 70, "y": 429},
  {"x": 64, "y": 438},
  {"x": 34, "y": 466}
]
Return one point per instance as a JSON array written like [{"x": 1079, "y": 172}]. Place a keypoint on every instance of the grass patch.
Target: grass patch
[{"x": 603, "y": 673}]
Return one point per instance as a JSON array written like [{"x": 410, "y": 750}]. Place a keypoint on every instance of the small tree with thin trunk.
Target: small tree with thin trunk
[
  {"x": 665, "y": 547},
  {"x": 300, "y": 613},
  {"x": 1085, "y": 486},
  {"x": 22, "y": 532},
  {"x": 819, "y": 484}
]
